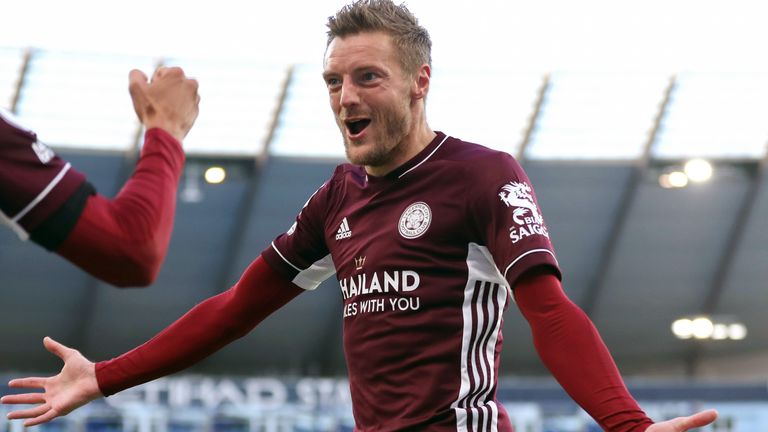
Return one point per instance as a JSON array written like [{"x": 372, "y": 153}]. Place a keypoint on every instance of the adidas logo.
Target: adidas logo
[{"x": 344, "y": 231}]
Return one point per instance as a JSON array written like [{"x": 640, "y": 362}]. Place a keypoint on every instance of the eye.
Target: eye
[
  {"x": 369, "y": 76},
  {"x": 332, "y": 82}
]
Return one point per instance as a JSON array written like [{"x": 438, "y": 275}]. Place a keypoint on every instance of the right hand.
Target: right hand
[
  {"x": 72, "y": 388},
  {"x": 170, "y": 101}
]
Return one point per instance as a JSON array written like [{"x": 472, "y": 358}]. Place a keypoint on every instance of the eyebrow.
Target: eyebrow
[{"x": 361, "y": 68}]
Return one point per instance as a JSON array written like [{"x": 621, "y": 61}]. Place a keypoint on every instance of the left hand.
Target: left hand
[
  {"x": 73, "y": 387},
  {"x": 682, "y": 424}
]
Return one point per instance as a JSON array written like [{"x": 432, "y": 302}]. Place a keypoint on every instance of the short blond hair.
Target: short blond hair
[{"x": 362, "y": 16}]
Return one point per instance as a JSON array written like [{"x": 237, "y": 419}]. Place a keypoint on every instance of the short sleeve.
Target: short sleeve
[
  {"x": 506, "y": 215},
  {"x": 300, "y": 254},
  {"x": 35, "y": 183}
]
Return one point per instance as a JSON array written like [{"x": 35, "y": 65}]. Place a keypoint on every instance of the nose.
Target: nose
[{"x": 349, "y": 94}]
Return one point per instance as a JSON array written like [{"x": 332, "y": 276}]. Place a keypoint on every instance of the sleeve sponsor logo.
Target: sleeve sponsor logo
[
  {"x": 43, "y": 152},
  {"x": 525, "y": 214}
]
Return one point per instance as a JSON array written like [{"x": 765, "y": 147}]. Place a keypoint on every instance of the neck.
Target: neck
[{"x": 413, "y": 143}]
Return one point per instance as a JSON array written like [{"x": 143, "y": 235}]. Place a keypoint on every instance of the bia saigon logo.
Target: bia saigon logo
[
  {"x": 528, "y": 220},
  {"x": 415, "y": 220}
]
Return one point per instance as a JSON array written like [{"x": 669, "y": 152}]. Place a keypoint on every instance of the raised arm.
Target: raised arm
[
  {"x": 124, "y": 241},
  {"x": 205, "y": 329},
  {"x": 571, "y": 348}
]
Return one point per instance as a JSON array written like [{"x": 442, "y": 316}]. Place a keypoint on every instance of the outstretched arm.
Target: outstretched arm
[
  {"x": 205, "y": 329},
  {"x": 123, "y": 241},
  {"x": 571, "y": 348}
]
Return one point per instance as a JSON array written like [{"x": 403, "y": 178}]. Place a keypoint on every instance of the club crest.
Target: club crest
[{"x": 415, "y": 220}]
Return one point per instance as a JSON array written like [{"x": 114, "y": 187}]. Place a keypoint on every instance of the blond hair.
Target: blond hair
[{"x": 411, "y": 39}]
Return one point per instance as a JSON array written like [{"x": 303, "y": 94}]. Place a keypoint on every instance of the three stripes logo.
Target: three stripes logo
[{"x": 344, "y": 231}]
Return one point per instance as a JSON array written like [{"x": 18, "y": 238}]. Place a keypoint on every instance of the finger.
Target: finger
[
  {"x": 159, "y": 72},
  {"x": 137, "y": 81},
  {"x": 48, "y": 416},
  {"x": 171, "y": 73},
  {"x": 137, "y": 76},
  {"x": 682, "y": 424},
  {"x": 26, "y": 398},
  {"x": 137, "y": 87},
  {"x": 31, "y": 382},
  {"x": 698, "y": 420},
  {"x": 193, "y": 82},
  {"x": 29, "y": 413},
  {"x": 174, "y": 71},
  {"x": 56, "y": 348}
]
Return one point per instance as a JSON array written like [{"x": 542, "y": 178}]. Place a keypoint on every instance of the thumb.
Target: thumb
[
  {"x": 698, "y": 420},
  {"x": 55, "y": 348},
  {"x": 137, "y": 86}
]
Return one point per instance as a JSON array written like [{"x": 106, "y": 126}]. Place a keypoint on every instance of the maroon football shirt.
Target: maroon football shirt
[
  {"x": 424, "y": 257},
  {"x": 34, "y": 181}
]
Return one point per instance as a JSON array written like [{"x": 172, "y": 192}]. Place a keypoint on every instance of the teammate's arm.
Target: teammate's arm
[
  {"x": 123, "y": 241},
  {"x": 205, "y": 329},
  {"x": 571, "y": 348}
]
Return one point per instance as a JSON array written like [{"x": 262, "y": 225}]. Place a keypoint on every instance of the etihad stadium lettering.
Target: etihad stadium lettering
[
  {"x": 208, "y": 393},
  {"x": 379, "y": 283}
]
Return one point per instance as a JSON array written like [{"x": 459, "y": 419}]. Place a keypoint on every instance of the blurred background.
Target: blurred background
[{"x": 643, "y": 126}]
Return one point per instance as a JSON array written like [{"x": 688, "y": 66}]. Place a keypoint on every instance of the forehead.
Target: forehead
[{"x": 359, "y": 50}]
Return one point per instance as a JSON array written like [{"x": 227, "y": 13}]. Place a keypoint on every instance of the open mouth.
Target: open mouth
[{"x": 355, "y": 127}]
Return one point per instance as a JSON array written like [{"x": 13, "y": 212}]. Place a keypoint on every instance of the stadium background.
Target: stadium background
[{"x": 601, "y": 101}]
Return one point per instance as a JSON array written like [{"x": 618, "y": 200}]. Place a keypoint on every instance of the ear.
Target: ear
[{"x": 421, "y": 82}]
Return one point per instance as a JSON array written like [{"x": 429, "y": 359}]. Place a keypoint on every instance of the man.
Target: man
[
  {"x": 121, "y": 241},
  {"x": 417, "y": 229}
]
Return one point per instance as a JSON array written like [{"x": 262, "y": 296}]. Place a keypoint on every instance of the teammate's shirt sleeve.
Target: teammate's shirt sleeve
[
  {"x": 124, "y": 240},
  {"x": 35, "y": 183},
  {"x": 301, "y": 253},
  {"x": 506, "y": 215}
]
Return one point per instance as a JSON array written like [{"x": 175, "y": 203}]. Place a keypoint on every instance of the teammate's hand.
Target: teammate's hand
[
  {"x": 170, "y": 101},
  {"x": 682, "y": 424},
  {"x": 72, "y": 388}
]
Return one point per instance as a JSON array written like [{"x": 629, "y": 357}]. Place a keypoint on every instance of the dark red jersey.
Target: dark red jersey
[
  {"x": 424, "y": 257},
  {"x": 34, "y": 182}
]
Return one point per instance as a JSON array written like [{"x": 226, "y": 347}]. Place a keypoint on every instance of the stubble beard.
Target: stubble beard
[{"x": 395, "y": 125}]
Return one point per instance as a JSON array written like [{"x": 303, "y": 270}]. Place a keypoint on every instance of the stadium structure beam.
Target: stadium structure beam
[
  {"x": 23, "y": 71},
  {"x": 725, "y": 264},
  {"x": 628, "y": 198},
  {"x": 728, "y": 257},
  {"x": 534, "y": 119},
  {"x": 245, "y": 210}
]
